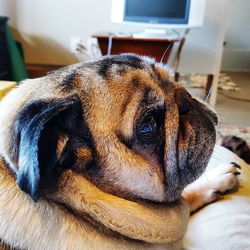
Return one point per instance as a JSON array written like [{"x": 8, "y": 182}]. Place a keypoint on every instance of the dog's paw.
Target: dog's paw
[{"x": 211, "y": 185}]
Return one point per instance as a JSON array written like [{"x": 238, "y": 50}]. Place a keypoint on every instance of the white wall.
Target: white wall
[
  {"x": 236, "y": 56},
  {"x": 203, "y": 49},
  {"x": 45, "y": 26}
]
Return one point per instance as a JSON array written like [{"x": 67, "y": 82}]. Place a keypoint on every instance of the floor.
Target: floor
[
  {"x": 232, "y": 111},
  {"x": 233, "y": 107}
]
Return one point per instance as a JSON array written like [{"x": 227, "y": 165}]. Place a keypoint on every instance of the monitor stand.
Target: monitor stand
[{"x": 157, "y": 33}]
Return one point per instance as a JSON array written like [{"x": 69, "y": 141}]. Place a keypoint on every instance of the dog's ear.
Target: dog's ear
[{"x": 47, "y": 135}]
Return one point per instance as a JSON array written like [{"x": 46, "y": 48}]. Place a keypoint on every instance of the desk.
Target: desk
[{"x": 153, "y": 47}]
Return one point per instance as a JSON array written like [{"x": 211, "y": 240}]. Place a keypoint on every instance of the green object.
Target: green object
[{"x": 18, "y": 69}]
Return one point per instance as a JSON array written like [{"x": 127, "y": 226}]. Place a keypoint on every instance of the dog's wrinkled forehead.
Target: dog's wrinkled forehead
[
  {"x": 129, "y": 72},
  {"x": 121, "y": 70},
  {"x": 119, "y": 66},
  {"x": 124, "y": 80},
  {"x": 115, "y": 87}
]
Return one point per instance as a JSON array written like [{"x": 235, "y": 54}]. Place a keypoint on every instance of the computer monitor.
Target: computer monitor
[{"x": 162, "y": 14}]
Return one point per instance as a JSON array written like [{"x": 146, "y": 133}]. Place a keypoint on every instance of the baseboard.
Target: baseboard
[{"x": 38, "y": 70}]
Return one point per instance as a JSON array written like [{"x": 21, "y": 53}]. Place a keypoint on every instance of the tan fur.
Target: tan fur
[{"x": 43, "y": 219}]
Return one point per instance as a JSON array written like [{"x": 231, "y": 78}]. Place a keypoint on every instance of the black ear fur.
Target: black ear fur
[{"x": 37, "y": 130}]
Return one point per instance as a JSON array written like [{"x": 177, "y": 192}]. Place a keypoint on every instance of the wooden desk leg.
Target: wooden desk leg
[
  {"x": 209, "y": 85},
  {"x": 176, "y": 76}
]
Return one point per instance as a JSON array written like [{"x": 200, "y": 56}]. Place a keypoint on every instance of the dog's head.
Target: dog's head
[{"x": 120, "y": 122}]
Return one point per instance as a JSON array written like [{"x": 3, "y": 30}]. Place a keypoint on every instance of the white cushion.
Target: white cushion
[{"x": 224, "y": 224}]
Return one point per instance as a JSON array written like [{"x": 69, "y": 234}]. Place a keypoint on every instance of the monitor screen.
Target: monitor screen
[{"x": 157, "y": 11}]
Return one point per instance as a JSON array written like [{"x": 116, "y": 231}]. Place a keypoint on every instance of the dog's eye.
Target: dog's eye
[{"x": 148, "y": 127}]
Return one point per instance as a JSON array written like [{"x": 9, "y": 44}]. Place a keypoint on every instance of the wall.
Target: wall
[
  {"x": 203, "y": 49},
  {"x": 45, "y": 28},
  {"x": 236, "y": 56}
]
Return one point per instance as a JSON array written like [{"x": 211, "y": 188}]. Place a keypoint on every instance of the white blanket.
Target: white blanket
[{"x": 225, "y": 224}]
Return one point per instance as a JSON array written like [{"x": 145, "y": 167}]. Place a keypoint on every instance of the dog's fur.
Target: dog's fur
[{"x": 96, "y": 156}]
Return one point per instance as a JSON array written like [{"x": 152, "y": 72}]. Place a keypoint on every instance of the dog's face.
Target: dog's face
[{"x": 120, "y": 122}]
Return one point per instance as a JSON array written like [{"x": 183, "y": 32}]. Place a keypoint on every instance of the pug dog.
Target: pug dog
[{"x": 97, "y": 155}]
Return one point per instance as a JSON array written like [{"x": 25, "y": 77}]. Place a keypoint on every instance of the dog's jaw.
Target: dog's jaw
[
  {"x": 51, "y": 226},
  {"x": 144, "y": 222}
]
